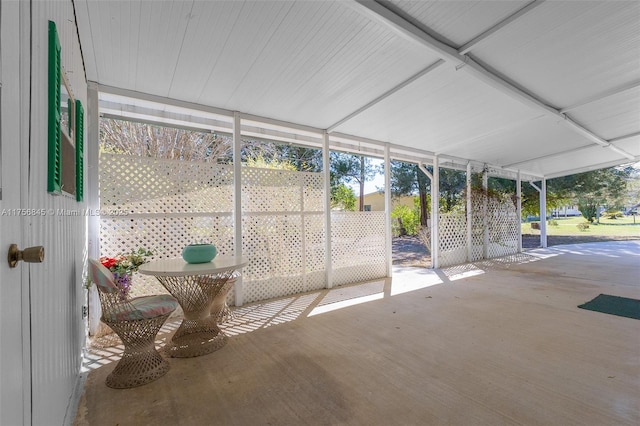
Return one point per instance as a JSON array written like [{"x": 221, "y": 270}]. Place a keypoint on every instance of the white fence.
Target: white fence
[
  {"x": 357, "y": 246},
  {"x": 164, "y": 205},
  {"x": 495, "y": 231}
]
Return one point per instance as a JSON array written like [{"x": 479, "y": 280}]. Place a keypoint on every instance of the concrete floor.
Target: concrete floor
[{"x": 499, "y": 342}]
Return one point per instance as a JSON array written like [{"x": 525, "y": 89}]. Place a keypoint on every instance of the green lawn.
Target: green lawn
[{"x": 608, "y": 227}]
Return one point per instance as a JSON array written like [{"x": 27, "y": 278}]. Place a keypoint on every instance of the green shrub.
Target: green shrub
[
  {"x": 614, "y": 214},
  {"x": 553, "y": 222},
  {"x": 408, "y": 217},
  {"x": 588, "y": 210},
  {"x": 582, "y": 226}
]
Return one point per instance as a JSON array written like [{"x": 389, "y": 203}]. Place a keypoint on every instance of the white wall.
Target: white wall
[{"x": 56, "y": 285}]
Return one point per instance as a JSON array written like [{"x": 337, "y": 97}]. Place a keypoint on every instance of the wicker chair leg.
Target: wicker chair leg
[{"x": 141, "y": 363}]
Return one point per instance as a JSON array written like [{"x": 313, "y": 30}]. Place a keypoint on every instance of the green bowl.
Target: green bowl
[{"x": 199, "y": 253}]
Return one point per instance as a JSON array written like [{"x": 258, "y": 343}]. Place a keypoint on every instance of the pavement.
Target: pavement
[{"x": 410, "y": 251}]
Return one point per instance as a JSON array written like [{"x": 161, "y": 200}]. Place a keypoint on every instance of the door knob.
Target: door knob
[{"x": 31, "y": 255}]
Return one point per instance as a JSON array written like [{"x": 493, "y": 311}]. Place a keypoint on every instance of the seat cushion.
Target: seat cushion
[
  {"x": 145, "y": 307},
  {"x": 101, "y": 276}
]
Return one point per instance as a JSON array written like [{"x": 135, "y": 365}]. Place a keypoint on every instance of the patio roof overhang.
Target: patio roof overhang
[{"x": 543, "y": 89}]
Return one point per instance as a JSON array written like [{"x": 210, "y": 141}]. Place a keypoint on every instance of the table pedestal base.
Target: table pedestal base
[
  {"x": 202, "y": 298},
  {"x": 195, "y": 338}
]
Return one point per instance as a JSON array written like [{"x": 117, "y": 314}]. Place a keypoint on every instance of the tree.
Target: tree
[
  {"x": 633, "y": 189},
  {"x": 452, "y": 184},
  {"x": 408, "y": 179},
  {"x": 350, "y": 168},
  {"x": 304, "y": 159},
  {"x": 261, "y": 163},
  {"x": 590, "y": 190},
  {"x": 301, "y": 158},
  {"x": 531, "y": 199},
  {"x": 343, "y": 197},
  {"x": 127, "y": 137}
]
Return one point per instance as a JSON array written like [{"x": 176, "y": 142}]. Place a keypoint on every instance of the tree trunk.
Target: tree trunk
[
  {"x": 422, "y": 192},
  {"x": 424, "y": 213}
]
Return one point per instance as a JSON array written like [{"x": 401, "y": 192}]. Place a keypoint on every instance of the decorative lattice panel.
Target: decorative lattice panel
[
  {"x": 274, "y": 246},
  {"x": 504, "y": 227},
  {"x": 315, "y": 249},
  {"x": 268, "y": 190},
  {"x": 313, "y": 192},
  {"x": 165, "y": 236},
  {"x": 452, "y": 229},
  {"x": 357, "y": 246},
  {"x": 492, "y": 213},
  {"x": 164, "y": 205},
  {"x": 282, "y": 232},
  {"x": 477, "y": 225},
  {"x": 142, "y": 185}
]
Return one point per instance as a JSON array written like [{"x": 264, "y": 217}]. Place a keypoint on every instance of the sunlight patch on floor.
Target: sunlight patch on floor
[
  {"x": 406, "y": 279},
  {"x": 345, "y": 303},
  {"x": 462, "y": 271}
]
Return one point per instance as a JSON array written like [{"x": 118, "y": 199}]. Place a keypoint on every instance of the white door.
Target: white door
[{"x": 15, "y": 403}]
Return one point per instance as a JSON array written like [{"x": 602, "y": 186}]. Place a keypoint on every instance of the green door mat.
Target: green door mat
[{"x": 614, "y": 305}]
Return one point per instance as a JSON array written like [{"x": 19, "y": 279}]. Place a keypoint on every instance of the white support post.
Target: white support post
[
  {"x": 237, "y": 201},
  {"x": 93, "y": 197},
  {"x": 543, "y": 214},
  {"x": 519, "y": 210},
  {"x": 433, "y": 235},
  {"x": 327, "y": 208},
  {"x": 485, "y": 212},
  {"x": 387, "y": 210},
  {"x": 303, "y": 232},
  {"x": 435, "y": 214},
  {"x": 469, "y": 216}
]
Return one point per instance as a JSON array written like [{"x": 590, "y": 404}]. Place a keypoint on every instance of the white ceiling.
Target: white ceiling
[{"x": 548, "y": 88}]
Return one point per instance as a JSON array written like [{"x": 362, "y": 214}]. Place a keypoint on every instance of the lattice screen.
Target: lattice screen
[
  {"x": 477, "y": 225},
  {"x": 504, "y": 227},
  {"x": 357, "y": 246},
  {"x": 164, "y": 205},
  {"x": 502, "y": 224},
  {"x": 282, "y": 232},
  {"x": 453, "y": 238}
]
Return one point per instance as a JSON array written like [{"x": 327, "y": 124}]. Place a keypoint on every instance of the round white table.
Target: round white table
[{"x": 201, "y": 290}]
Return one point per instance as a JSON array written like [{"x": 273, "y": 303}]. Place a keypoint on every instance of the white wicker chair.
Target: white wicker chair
[{"x": 137, "y": 322}]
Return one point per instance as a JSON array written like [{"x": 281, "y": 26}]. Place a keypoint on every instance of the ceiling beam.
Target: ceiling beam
[
  {"x": 590, "y": 168},
  {"x": 124, "y": 111},
  {"x": 625, "y": 137},
  {"x": 386, "y": 94},
  {"x": 162, "y": 100},
  {"x": 467, "y": 47},
  {"x": 555, "y": 154},
  {"x": 600, "y": 96},
  {"x": 117, "y": 115},
  {"x": 379, "y": 13}
]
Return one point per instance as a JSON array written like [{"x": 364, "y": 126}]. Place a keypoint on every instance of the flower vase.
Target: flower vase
[{"x": 123, "y": 282}]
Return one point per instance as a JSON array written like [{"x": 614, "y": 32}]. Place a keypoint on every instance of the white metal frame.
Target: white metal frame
[
  {"x": 237, "y": 123},
  {"x": 406, "y": 29},
  {"x": 221, "y": 120}
]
